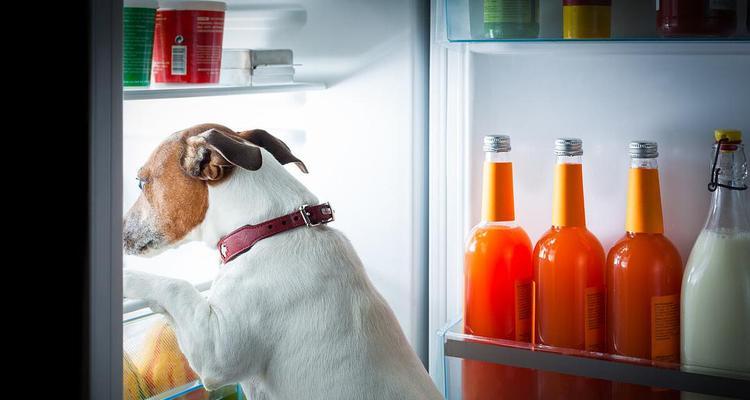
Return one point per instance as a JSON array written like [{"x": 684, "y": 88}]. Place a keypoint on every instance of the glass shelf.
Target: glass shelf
[
  {"x": 180, "y": 91},
  {"x": 632, "y": 21},
  {"x": 608, "y": 367}
]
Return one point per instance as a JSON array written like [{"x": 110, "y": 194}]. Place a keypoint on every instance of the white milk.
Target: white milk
[{"x": 716, "y": 304}]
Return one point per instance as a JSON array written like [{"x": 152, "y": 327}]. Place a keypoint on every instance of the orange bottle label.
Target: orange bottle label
[
  {"x": 644, "y": 202},
  {"x": 524, "y": 310},
  {"x": 497, "y": 193},
  {"x": 665, "y": 328},
  {"x": 594, "y": 318},
  {"x": 567, "y": 200}
]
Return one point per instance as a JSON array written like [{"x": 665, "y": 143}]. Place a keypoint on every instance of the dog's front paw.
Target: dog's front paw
[{"x": 137, "y": 285}]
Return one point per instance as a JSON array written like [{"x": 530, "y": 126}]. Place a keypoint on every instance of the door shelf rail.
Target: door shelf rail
[
  {"x": 182, "y": 91},
  {"x": 591, "y": 364}
]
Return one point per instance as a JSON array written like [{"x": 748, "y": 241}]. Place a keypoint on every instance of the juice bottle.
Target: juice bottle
[
  {"x": 716, "y": 286},
  {"x": 587, "y": 19},
  {"x": 498, "y": 280},
  {"x": 569, "y": 275},
  {"x": 696, "y": 17},
  {"x": 508, "y": 19},
  {"x": 644, "y": 276}
]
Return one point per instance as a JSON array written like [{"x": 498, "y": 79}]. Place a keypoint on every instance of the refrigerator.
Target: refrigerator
[{"x": 390, "y": 103}]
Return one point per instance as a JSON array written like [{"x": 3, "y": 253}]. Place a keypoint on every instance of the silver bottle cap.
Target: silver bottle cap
[
  {"x": 496, "y": 143},
  {"x": 568, "y": 147},
  {"x": 643, "y": 149}
]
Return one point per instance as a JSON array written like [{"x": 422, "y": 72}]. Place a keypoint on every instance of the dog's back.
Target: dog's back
[{"x": 333, "y": 336}]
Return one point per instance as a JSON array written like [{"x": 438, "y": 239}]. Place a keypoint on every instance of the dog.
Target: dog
[{"x": 294, "y": 317}]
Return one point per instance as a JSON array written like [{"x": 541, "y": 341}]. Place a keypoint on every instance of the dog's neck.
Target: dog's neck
[{"x": 250, "y": 197}]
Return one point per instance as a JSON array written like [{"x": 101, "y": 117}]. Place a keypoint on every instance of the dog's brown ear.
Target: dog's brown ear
[
  {"x": 276, "y": 147},
  {"x": 209, "y": 155}
]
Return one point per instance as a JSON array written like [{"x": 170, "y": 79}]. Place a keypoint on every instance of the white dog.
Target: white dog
[{"x": 296, "y": 316}]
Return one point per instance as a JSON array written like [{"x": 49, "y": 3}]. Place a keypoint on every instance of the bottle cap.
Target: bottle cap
[
  {"x": 496, "y": 143},
  {"x": 643, "y": 149},
  {"x": 732, "y": 135},
  {"x": 568, "y": 147}
]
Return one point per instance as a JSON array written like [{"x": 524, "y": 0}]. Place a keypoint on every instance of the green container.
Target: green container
[
  {"x": 138, "y": 42},
  {"x": 511, "y": 19}
]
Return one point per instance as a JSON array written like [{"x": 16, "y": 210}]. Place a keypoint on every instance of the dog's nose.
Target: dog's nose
[{"x": 128, "y": 243}]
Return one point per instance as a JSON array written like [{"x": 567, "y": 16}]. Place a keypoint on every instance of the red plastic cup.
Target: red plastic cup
[{"x": 187, "y": 41}]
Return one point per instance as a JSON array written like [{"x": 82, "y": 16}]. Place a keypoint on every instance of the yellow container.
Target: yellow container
[{"x": 586, "y": 21}]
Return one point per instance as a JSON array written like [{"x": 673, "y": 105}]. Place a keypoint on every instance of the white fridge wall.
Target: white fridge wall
[
  {"x": 607, "y": 101},
  {"x": 362, "y": 139}
]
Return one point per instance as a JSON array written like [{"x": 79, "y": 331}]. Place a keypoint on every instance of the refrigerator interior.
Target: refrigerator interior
[
  {"x": 607, "y": 94},
  {"x": 363, "y": 137}
]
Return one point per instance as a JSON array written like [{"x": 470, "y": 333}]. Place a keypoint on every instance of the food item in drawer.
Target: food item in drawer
[
  {"x": 133, "y": 385},
  {"x": 162, "y": 364}
]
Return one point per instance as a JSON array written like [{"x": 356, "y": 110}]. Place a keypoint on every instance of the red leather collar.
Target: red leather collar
[{"x": 242, "y": 239}]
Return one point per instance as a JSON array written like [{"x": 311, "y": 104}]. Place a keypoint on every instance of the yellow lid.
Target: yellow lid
[{"x": 733, "y": 135}]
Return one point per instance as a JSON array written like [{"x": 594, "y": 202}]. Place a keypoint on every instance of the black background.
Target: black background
[{"x": 45, "y": 189}]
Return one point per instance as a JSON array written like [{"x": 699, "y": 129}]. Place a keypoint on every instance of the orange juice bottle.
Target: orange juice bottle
[
  {"x": 498, "y": 280},
  {"x": 569, "y": 275},
  {"x": 644, "y": 278}
]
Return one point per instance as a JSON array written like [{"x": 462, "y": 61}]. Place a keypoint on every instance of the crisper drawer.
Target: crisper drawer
[
  {"x": 154, "y": 368},
  {"x": 483, "y": 368}
]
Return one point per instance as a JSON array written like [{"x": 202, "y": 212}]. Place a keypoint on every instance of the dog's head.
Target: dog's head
[{"x": 175, "y": 181}]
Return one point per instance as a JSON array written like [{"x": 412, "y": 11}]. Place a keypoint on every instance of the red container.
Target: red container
[
  {"x": 696, "y": 17},
  {"x": 187, "y": 41}
]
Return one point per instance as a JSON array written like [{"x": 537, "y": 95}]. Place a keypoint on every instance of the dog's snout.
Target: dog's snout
[{"x": 138, "y": 235}]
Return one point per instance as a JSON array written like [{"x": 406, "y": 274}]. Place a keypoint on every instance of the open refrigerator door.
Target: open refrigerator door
[{"x": 634, "y": 84}]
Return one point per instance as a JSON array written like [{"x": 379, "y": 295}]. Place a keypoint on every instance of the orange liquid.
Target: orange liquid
[
  {"x": 570, "y": 281},
  {"x": 568, "y": 266},
  {"x": 641, "y": 266},
  {"x": 497, "y": 258},
  {"x": 498, "y": 304},
  {"x": 569, "y": 273},
  {"x": 644, "y": 280}
]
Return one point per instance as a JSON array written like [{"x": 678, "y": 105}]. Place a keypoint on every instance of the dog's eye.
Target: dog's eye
[{"x": 141, "y": 183}]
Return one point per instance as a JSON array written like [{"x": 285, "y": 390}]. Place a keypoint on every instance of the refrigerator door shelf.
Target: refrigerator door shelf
[
  {"x": 457, "y": 346},
  {"x": 181, "y": 91},
  {"x": 634, "y": 20}
]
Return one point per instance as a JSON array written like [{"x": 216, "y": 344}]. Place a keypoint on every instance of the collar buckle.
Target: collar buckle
[{"x": 325, "y": 209}]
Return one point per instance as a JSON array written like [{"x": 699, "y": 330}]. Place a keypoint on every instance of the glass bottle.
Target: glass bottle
[
  {"x": 716, "y": 286},
  {"x": 587, "y": 19},
  {"x": 508, "y": 19},
  {"x": 570, "y": 280},
  {"x": 498, "y": 279},
  {"x": 644, "y": 276},
  {"x": 696, "y": 17}
]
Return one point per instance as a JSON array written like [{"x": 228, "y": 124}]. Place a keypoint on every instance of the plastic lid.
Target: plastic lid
[
  {"x": 141, "y": 3},
  {"x": 568, "y": 147},
  {"x": 192, "y": 5},
  {"x": 733, "y": 135},
  {"x": 496, "y": 143},
  {"x": 643, "y": 149}
]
